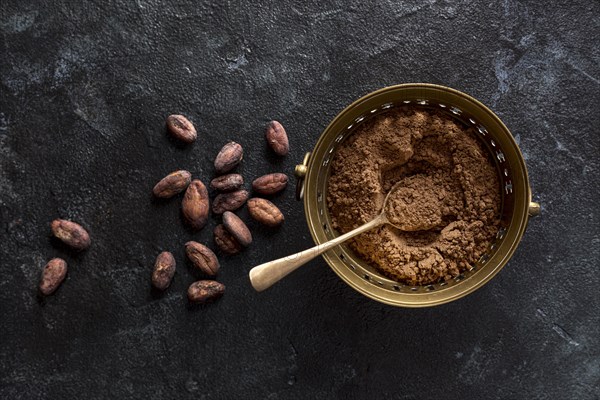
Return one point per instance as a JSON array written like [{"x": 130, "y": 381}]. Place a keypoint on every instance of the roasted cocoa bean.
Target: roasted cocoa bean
[
  {"x": 52, "y": 276},
  {"x": 205, "y": 291},
  {"x": 164, "y": 270},
  {"x": 229, "y": 201},
  {"x": 270, "y": 183},
  {"x": 202, "y": 257},
  {"x": 71, "y": 233},
  {"x": 277, "y": 138},
  {"x": 225, "y": 240},
  {"x": 181, "y": 128},
  {"x": 195, "y": 205},
  {"x": 172, "y": 184},
  {"x": 237, "y": 228},
  {"x": 227, "y": 183},
  {"x": 230, "y": 155},
  {"x": 265, "y": 212}
]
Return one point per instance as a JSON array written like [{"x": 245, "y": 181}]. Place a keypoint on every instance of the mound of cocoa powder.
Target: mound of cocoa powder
[
  {"x": 438, "y": 160},
  {"x": 414, "y": 204}
]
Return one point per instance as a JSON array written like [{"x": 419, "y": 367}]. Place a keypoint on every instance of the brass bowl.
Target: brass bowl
[{"x": 516, "y": 207}]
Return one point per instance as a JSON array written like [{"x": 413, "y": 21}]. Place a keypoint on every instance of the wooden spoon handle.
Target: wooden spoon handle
[{"x": 265, "y": 275}]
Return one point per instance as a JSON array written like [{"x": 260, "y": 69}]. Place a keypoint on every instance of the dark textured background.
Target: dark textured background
[{"x": 85, "y": 89}]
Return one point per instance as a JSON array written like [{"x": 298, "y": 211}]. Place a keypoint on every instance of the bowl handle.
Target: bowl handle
[
  {"x": 534, "y": 209},
  {"x": 300, "y": 172}
]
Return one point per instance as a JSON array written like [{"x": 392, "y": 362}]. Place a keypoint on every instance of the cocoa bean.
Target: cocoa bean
[
  {"x": 237, "y": 228},
  {"x": 230, "y": 155},
  {"x": 225, "y": 240},
  {"x": 265, "y": 212},
  {"x": 202, "y": 257},
  {"x": 172, "y": 184},
  {"x": 227, "y": 183},
  {"x": 52, "y": 276},
  {"x": 195, "y": 205},
  {"x": 164, "y": 269},
  {"x": 205, "y": 291},
  {"x": 181, "y": 128},
  {"x": 270, "y": 183},
  {"x": 229, "y": 201},
  {"x": 277, "y": 138},
  {"x": 71, "y": 233}
]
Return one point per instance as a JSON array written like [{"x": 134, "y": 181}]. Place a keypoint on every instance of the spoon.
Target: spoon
[{"x": 404, "y": 207}]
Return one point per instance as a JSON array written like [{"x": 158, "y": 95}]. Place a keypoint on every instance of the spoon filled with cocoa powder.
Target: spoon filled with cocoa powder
[{"x": 411, "y": 205}]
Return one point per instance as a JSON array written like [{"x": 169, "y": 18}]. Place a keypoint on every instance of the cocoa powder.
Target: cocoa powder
[
  {"x": 413, "y": 204},
  {"x": 438, "y": 161}
]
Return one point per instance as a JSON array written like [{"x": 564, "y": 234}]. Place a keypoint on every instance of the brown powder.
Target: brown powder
[
  {"x": 437, "y": 160},
  {"x": 414, "y": 204}
]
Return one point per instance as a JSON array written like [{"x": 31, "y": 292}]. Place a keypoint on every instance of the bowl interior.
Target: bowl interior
[{"x": 503, "y": 150}]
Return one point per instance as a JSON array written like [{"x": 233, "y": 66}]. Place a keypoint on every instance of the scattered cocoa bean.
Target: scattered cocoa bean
[
  {"x": 237, "y": 228},
  {"x": 225, "y": 240},
  {"x": 227, "y": 183},
  {"x": 265, "y": 212},
  {"x": 52, "y": 276},
  {"x": 195, "y": 205},
  {"x": 164, "y": 269},
  {"x": 277, "y": 138},
  {"x": 230, "y": 155},
  {"x": 71, "y": 233},
  {"x": 205, "y": 291},
  {"x": 270, "y": 183},
  {"x": 202, "y": 257},
  {"x": 172, "y": 184},
  {"x": 229, "y": 201},
  {"x": 181, "y": 128}
]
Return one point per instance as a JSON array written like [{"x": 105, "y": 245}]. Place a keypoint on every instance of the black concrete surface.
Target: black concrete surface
[{"x": 84, "y": 91}]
